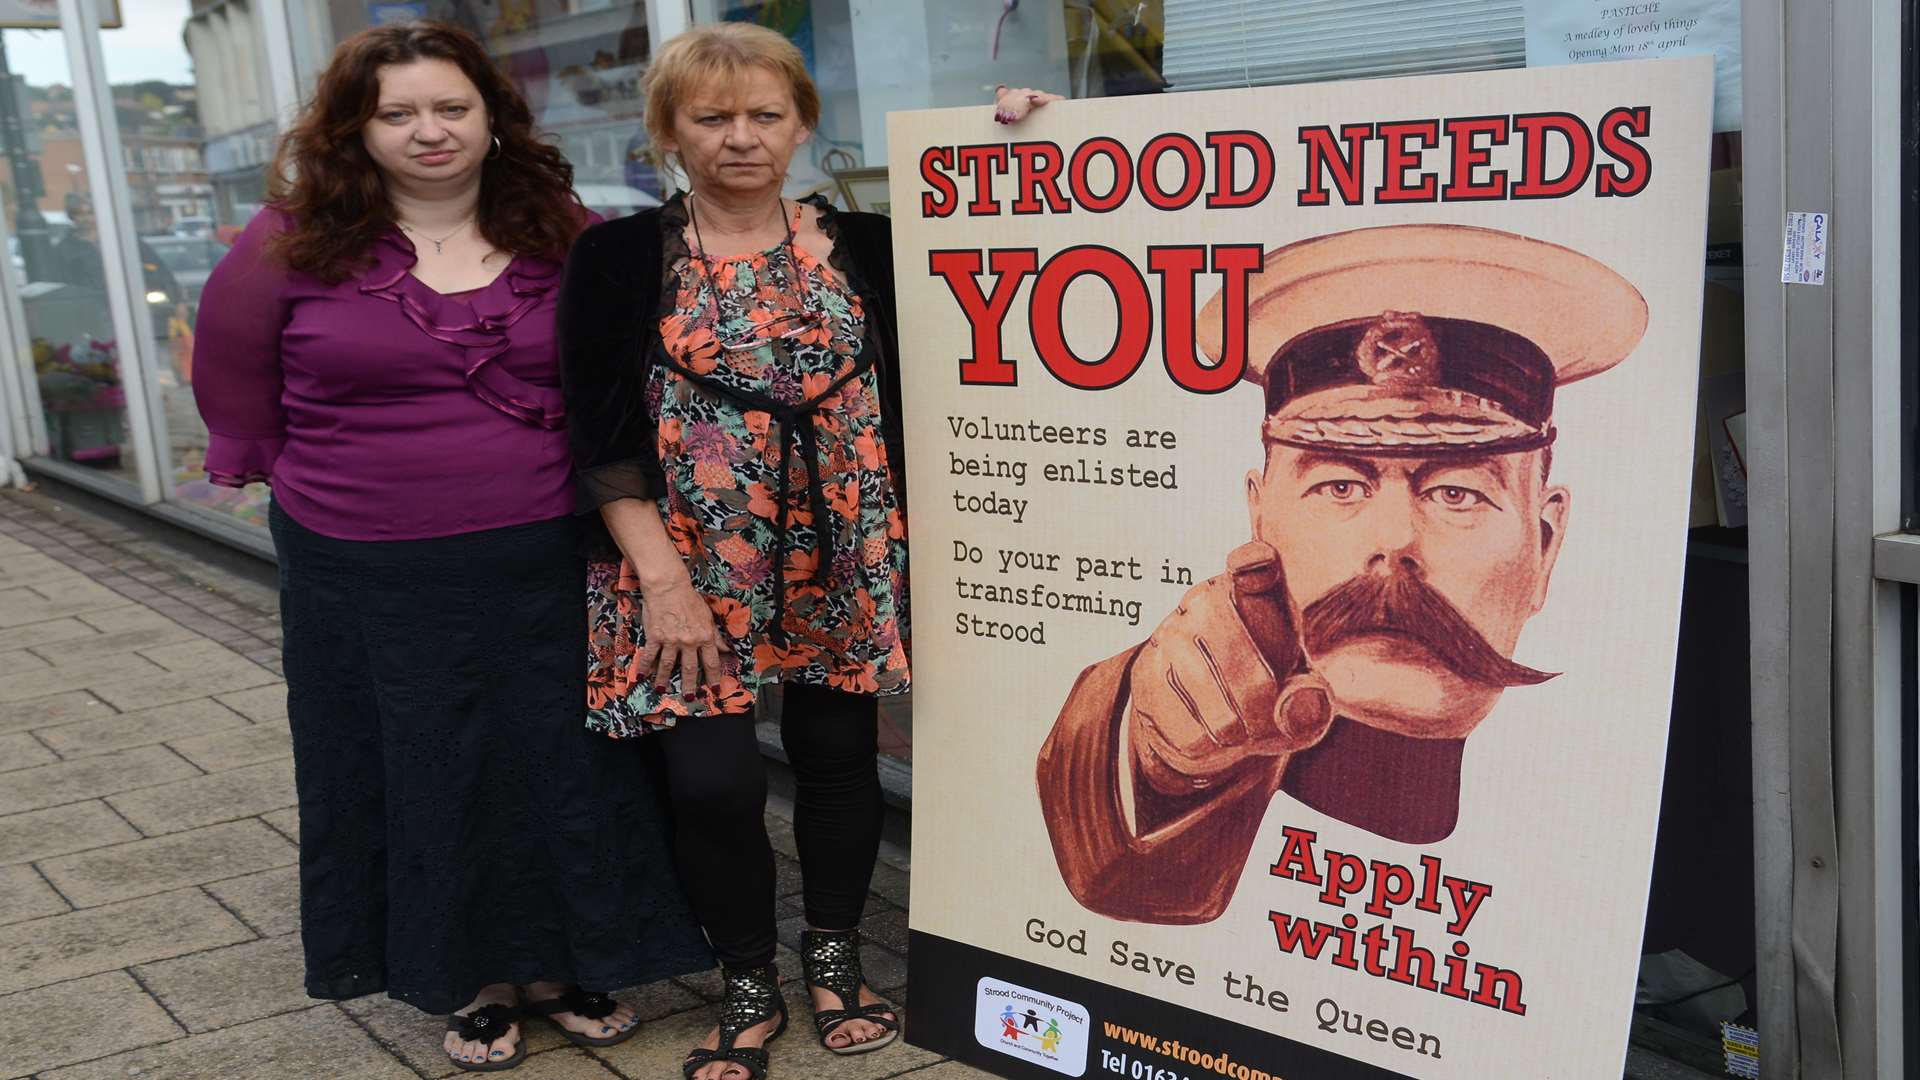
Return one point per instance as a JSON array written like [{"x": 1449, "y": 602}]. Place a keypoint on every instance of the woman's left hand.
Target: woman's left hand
[{"x": 1013, "y": 103}]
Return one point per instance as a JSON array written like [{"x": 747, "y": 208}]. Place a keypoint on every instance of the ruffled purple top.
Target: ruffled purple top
[{"x": 378, "y": 408}]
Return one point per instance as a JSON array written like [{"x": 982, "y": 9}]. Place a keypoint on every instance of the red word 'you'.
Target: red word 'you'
[{"x": 1176, "y": 267}]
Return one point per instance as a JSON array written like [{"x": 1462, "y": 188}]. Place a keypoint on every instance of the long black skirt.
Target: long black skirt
[{"x": 459, "y": 825}]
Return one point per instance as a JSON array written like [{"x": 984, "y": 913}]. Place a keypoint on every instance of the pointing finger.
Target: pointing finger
[{"x": 1260, "y": 599}]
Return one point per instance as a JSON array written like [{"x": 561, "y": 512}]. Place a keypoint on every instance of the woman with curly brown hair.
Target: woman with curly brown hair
[{"x": 380, "y": 346}]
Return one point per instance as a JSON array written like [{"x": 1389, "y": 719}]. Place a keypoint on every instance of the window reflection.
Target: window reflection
[
  {"x": 53, "y": 250},
  {"x": 196, "y": 131}
]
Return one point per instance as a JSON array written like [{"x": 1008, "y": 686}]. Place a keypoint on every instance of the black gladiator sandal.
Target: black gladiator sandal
[
  {"x": 753, "y": 998},
  {"x": 830, "y": 960}
]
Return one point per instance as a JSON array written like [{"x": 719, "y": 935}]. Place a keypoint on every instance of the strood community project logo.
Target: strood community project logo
[{"x": 1048, "y": 1031}]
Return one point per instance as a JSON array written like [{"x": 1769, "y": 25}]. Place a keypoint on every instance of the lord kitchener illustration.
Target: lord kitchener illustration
[{"x": 1405, "y": 523}]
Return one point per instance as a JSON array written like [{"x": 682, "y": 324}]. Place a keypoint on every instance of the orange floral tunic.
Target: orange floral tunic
[{"x": 778, "y": 327}]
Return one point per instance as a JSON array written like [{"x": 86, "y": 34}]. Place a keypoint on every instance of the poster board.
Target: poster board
[{"x": 1298, "y": 527}]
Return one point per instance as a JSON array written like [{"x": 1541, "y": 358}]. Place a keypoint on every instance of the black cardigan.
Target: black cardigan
[{"x": 609, "y": 319}]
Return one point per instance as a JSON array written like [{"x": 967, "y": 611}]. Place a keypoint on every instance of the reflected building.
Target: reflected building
[{"x": 236, "y": 105}]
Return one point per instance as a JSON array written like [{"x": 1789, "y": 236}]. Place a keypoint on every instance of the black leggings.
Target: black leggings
[{"x": 718, "y": 781}]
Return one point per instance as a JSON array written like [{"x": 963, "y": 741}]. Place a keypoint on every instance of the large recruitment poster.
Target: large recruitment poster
[{"x": 1299, "y": 482}]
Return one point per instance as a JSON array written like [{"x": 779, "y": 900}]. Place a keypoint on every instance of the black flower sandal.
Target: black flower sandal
[
  {"x": 484, "y": 1025},
  {"x": 591, "y": 1004},
  {"x": 831, "y": 961},
  {"x": 753, "y": 998}
]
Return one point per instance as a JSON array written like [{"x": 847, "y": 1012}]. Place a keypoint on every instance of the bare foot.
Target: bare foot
[
  {"x": 727, "y": 1070},
  {"x": 479, "y": 1053}
]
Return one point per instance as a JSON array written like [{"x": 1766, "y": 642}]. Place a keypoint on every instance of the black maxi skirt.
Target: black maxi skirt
[{"x": 459, "y": 825}]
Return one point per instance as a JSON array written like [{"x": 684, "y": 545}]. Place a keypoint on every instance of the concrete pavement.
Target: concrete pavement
[{"x": 148, "y": 912}]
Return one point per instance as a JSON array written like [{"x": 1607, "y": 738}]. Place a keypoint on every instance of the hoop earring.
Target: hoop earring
[{"x": 497, "y": 150}]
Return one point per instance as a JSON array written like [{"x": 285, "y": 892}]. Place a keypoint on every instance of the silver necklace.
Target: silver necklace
[{"x": 436, "y": 243}]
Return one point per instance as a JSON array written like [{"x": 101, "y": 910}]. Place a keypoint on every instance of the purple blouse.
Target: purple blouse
[{"x": 378, "y": 408}]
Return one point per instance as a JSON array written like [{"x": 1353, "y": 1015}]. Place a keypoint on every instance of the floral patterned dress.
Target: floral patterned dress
[{"x": 775, "y": 329}]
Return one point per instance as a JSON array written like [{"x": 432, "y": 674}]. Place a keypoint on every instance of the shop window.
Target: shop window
[
  {"x": 191, "y": 101},
  {"x": 924, "y": 54},
  {"x": 74, "y": 364}
]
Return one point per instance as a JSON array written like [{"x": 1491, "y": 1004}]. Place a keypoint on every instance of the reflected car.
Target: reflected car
[{"x": 189, "y": 260}]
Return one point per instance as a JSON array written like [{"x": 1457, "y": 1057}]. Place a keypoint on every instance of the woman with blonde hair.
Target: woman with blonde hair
[
  {"x": 380, "y": 346},
  {"x": 732, "y": 377}
]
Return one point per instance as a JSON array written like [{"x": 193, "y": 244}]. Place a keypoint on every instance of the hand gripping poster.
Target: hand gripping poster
[{"x": 1299, "y": 480}]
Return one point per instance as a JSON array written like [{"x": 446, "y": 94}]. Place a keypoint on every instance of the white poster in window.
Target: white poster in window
[
  {"x": 1586, "y": 31},
  {"x": 45, "y": 14}
]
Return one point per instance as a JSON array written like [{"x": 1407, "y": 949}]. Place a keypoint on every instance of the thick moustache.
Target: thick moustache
[{"x": 1400, "y": 603}]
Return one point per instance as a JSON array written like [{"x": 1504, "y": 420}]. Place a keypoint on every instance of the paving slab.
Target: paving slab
[
  {"x": 196, "y": 656},
  {"x": 40, "y": 834},
  {"x": 168, "y": 862},
  {"x": 24, "y": 895},
  {"x": 78, "y": 1021},
  {"x": 885, "y": 969},
  {"x": 707, "y": 985},
  {"x": 46, "y": 633},
  {"x": 662, "y": 998},
  {"x": 796, "y": 1054},
  {"x": 887, "y": 928},
  {"x": 209, "y": 799},
  {"x": 91, "y": 778},
  {"x": 119, "y": 731},
  {"x": 567, "y": 1064},
  {"x": 17, "y": 661},
  {"x": 21, "y": 750},
  {"x": 229, "y": 986},
  {"x": 320, "y": 1043},
  {"x": 286, "y": 821},
  {"x": 201, "y": 918},
  {"x": 80, "y": 943},
  {"x": 786, "y": 875},
  {"x": 268, "y": 901},
  {"x": 780, "y": 834},
  {"x": 951, "y": 1070},
  {"x": 27, "y": 685},
  {"x": 25, "y": 604},
  {"x": 54, "y": 709},
  {"x": 168, "y": 688},
  {"x": 110, "y": 647},
  {"x": 31, "y": 568},
  {"x": 260, "y": 704},
  {"x": 234, "y": 749},
  {"x": 123, "y": 619}
]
